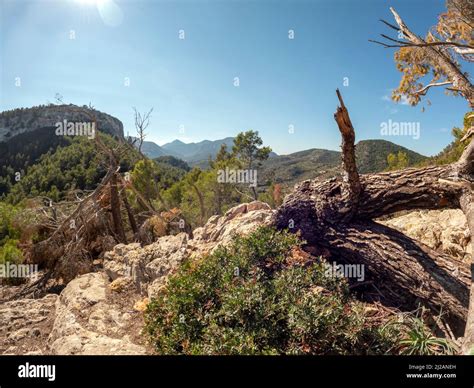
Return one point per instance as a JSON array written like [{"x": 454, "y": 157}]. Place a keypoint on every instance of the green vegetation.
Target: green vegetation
[
  {"x": 9, "y": 237},
  {"x": 70, "y": 167},
  {"x": 251, "y": 299},
  {"x": 201, "y": 194},
  {"x": 397, "y": 161},
  {"x": 164, "y": 183},
  {"x": 453, "y": 151},
  {"x": 249, "y": 151},
  {"x": 172, "y": 161},
  {"x": 151, "y": 178},
  {"x": 418, "y": 340},
  {"x": 298, "y": 166},
  {"x": 23, "y": 151},
  {"x": 8, "y": 231},
  {"x": 372, "y": 155},
  {"x": 247, "y": 148}
]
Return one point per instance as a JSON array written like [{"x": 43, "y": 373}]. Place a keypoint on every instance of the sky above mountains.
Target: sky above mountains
[{"x": 212, "y": 69}]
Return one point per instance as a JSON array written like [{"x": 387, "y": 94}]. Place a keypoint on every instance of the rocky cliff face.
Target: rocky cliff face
[{"x": 15, "y": 122}]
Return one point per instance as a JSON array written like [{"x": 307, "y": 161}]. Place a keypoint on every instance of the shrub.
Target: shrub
[
  {"x": 10, "y": 253},
  {"x": 416, "y": 339},
  {"x": 7, "y": 228},
  {"x": 252, "y": 298}
]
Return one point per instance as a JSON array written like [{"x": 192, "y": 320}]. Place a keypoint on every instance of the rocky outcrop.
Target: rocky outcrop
[
  {"x": 18, "y": 121},
  {"x": 101, "y": 312},
  {"x": 443, "y": 230},
  {"x": 89, "y": 320},
  {"x": 148, "y": 267},
  {"x": 240, "y": 220},
  {"x": 91, "y": 316}
]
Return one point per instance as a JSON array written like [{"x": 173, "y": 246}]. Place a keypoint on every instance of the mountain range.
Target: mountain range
[
  {"x": 371, "y": 157},
  {"x": 192, "y": 153},
  {"x": 195, "y": 154},
  {"x": 20, "y": 149}
]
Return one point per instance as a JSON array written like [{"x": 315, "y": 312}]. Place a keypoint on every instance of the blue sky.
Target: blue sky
[{"x": 190, "y": 82}]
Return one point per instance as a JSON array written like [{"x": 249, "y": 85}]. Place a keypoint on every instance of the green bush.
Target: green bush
[
  {"x": 7, "y": 229},
  {"x": 251, "y": 298},
  {"x": 10, "y": 253}
]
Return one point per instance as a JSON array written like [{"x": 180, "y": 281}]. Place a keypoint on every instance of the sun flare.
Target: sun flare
[{"x": 89, "y": 2}]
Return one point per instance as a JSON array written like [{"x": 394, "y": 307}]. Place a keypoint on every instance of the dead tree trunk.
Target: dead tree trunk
[
  {"x": 202, "y": 208},
  {"x": 131, "y": 217},
  {"x": 116, "y": 210},
  {"x": 338, "y": 216}
]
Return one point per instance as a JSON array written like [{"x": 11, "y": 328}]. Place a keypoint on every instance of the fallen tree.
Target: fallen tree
[{"x": 339, "y": 217}]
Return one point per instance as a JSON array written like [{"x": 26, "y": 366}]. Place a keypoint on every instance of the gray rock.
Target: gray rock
[{"x": 88, "y": 322}]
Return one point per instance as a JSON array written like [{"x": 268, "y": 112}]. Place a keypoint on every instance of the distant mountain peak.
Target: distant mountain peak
[
  {"x": 194, "y": 153},
  {"x": 176, "y": 141}
]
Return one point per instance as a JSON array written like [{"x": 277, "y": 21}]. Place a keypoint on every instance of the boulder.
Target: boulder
[
  {"x": 220, "y": 230},
  {"x": 147, "y": 264},
  {"x": 443, "y": 230},
  {"x": 89, "y": 321}
]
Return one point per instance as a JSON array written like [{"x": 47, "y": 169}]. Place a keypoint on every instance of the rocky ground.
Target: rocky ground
[
  {"x": 101, "y": 312},
  {"x": 442, "y": 230}
]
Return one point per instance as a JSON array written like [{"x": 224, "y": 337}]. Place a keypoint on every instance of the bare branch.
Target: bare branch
[
  {"x": 460, "y": 48},
  {"x": 141, "y": 124},
  {"x": 390, "y": 25},
  {"x": 423, "y": 90}
]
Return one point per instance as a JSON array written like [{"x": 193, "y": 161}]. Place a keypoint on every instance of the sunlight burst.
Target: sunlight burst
[{"x": 90, "y": 2}]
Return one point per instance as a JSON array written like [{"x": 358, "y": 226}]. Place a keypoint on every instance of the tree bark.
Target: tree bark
[
  {"x": 115, "y": 209},
  {"x": 131, "y": 217},
  {"x": 338, "y": 217},
  {"x": 351, "y": 184},
  {"x": 201, "y": 204}
]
